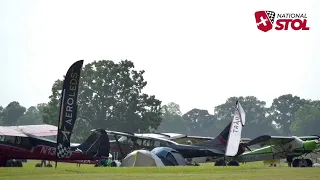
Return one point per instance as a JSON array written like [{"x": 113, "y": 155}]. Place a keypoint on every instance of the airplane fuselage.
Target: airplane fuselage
[
  {"x": 39, "y": 152},
  {"x": 38, "y": 149},
  {"x": 273, "y": 152},
  {"x": 187, "y": 151}
]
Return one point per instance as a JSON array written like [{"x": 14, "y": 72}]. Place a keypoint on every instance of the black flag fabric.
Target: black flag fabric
[{"x": 68, "y": 109}]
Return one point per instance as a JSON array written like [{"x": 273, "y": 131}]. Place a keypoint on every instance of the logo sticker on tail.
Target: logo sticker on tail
[{"x": 235, "y": 131}]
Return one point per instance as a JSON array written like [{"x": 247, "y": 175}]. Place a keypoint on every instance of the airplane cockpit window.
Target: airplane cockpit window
[
  {"x": 25, "y": 141},
  {"x": 157, "y": 143},
  {"x": 139, "y": 142},
  {"x": 123, "y": 140},
  {"x": 9, "y": 139},
  {"x": 146, "y": 143},
  {"x": 17, "y": 140},
  {"x": 164, "y": 144},
  {"x": 130, "y": 141},
  {"x": 1, "y": 138}
]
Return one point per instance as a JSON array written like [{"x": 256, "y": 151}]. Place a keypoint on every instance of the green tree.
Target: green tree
[
  {"x": 51, "y": 109},
  {"x": 11, "y": 114},
  {"x": 110, "y": 97},
  {"x": 81, "y": 131},
  {"x": 283, "y": 110},
  {"x": 256, "y": 121},
  {"x": 172, "y": 120},
  {"x": 33, "y": 115},
  {"x": 200, "y": 122},
  {"x": 306, "y": 120}
]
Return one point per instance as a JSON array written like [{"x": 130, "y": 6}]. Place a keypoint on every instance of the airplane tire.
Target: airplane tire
[
  {"x": 49, "y": 165},
  {"x": 233, "y": 163},
  {"x": 220, "y": 163},
  {"x": 17, "y": 164},
  {"x": 303, "y": 163},
  {"x": 309, "y": 162},
  {"x": 9, "y": 163},
  {"x": 295, "y": 163},
  {"x": 38, "y": 165}
]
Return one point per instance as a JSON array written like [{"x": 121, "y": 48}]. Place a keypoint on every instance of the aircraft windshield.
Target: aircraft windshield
[{"x": 125, "y": 140}]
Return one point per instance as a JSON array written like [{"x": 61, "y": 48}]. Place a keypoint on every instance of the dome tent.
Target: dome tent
[
  {"x": 169, "y": 156},
  {"x": 141, "y": 158}
]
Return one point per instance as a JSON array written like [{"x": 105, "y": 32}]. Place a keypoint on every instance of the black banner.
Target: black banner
[{"x": 68, "y": 109}]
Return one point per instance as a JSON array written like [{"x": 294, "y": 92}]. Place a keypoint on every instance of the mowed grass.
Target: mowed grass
[{"x": 68, "y": 171}]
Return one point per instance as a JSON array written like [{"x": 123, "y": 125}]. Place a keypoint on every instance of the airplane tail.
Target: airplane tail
[
  {"x": 96, "y": 145},
  {"x": 229, "y": 138}
]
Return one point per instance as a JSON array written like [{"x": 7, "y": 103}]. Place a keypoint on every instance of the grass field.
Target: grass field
[{"x": 249, "y": 171}]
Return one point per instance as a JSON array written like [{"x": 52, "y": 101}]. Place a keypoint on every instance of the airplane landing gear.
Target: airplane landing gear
[
  {"x": 13, "y": 163},
  {"x": 233, "y": 163},
  {"x": 302, "y": 163},
  {"x": 220, "y": 162},
  {"x": 309, "y": 162},
  {"x": 40, "y": 165}
]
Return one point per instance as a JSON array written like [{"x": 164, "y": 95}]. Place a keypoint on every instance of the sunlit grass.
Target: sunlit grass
[{"x": 66, "y": 171}]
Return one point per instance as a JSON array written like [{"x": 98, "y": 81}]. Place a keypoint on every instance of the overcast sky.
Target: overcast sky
[{"x": 195, "y": 53}]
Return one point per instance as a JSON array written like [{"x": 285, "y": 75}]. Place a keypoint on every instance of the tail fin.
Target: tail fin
[
  {"x": 220, "y": 141},
  {"x": 229, "y": 138},
  {"x": 97, "y": 144},
  {"x": 234, "y": 137}
]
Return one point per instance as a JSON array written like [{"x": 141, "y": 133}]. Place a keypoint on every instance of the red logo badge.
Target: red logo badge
[{"x": 264, "y": 20}]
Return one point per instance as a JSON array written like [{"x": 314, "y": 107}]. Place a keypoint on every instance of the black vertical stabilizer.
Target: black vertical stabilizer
[
  {"x": 221, "y": 140},
  {"x": 97, "y": 144}
]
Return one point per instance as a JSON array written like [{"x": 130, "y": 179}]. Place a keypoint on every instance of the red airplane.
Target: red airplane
[
  {"x": 28, "y": 142},
  {"x": 25, "y": 142}
]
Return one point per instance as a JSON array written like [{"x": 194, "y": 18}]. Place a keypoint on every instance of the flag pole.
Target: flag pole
[{"x": 68, "y": 98}]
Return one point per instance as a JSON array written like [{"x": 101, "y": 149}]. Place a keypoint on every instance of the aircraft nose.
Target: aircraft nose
[{"x": 310, "y": 145}]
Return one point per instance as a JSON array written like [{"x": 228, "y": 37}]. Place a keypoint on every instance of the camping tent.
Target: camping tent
[
  {"x": 141, "y": 158},
  {"x": 169, "y": 156}
]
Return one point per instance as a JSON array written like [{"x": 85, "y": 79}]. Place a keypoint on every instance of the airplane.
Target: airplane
[
  {"x": 280, "y": 147},
  {"x": 24, "y": 143},
  {"x": 29, "y": 142},
  {"x": 122, "y": 143},
  {"x": 186, "y": 139},
  {"x": 183, "y": 138}
]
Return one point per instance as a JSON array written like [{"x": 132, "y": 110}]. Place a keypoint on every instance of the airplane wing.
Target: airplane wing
[
  {"x": 43, "y": 130},
  {"x": 193, "y": 139},
  {"x": 199, "y": 139},
  {"x": 190, "y": 151},
  {"x": 245, "y": 140},
  {"x": 6, "y": 131},
  {"x": 305, "y": 138},
  {"x": 120, "y": 133},
  {"x": 153, "y": 135},
  {"x": 270, "y": 140}
]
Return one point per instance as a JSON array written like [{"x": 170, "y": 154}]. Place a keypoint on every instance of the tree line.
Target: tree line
[{"x": 111, "y": 97}]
